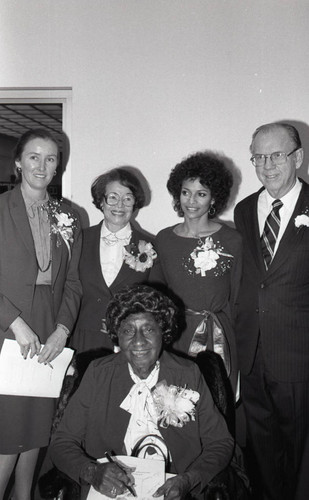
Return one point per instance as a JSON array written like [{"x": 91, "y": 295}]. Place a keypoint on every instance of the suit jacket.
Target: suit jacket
[
  {"x": 274, "y": 303},
  {"x": 96, "y": 293},
  {"x": 93, "y": 421},
  {"x": 19, "y": 268}
]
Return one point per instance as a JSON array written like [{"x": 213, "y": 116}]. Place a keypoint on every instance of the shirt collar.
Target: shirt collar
[
  {"x": 288, "y": 199},
  {"x": 31, "y": 203},
  {"x": 124, "y": 232}
]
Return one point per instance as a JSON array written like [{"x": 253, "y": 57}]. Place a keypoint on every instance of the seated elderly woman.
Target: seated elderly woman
[{"x": 121, "y": 400}]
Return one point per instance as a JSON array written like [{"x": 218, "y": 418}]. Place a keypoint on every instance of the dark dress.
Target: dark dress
[
  {"x": 88, "y": 334},
  {"x": 215, "y": 292},
  {"x": 17, "y": 412}
]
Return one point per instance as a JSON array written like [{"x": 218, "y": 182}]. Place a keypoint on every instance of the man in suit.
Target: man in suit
[{"x": 272, "y": 326}]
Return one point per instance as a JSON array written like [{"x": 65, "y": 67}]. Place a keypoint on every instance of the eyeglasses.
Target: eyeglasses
[
  {"x": 277, "y": 158},
  {"x": 113, "y": 199}
]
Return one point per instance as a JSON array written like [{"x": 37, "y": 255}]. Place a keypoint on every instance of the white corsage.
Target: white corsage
[
  {"x": 205, "y": 256},
  {"x": 174, "y": 405},
  {"x": 302, "y": 220},
  {"x": 139, "y": 257},
  {"x": 61, "y": 223}
]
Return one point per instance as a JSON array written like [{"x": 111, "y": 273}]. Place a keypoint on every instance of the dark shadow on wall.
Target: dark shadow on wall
[
  {"x": 84, "y": 217},
  {"x": 147, "y": 191},
  {"x": 303, "y": 130},
  {"x": 237, "y": 179},
  {"x": 145, "y": 185}
]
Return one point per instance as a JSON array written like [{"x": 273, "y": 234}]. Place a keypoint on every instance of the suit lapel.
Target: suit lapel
[
  {"x": 95, "y": 254},
  {"x": 19, "y": 215},
  {"x": 253, "y": 231},
  {"x": 56, "y": 255},
  {"x": 59, "y": 250},
  {"x": 292, "y": 235},
  {"x": 125, "y": 270}
]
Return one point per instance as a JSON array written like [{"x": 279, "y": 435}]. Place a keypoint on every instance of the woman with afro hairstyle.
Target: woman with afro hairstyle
[{"x": 199, "y": 259}]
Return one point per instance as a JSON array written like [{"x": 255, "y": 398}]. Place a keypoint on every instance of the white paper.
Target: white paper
[
  {"x": 27, "y": 377},
  {"x": 149, "y": 475}
]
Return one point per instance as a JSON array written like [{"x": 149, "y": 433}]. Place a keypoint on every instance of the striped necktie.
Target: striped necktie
[{"x": 270, "y": 233}]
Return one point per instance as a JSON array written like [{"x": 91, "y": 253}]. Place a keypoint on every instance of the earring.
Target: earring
[
  {"x": 18, "y": 169},
  {"x": 55, "y": 173},
  {"x": 212, "y": 210}
]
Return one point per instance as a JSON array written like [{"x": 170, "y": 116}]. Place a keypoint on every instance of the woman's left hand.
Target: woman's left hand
[
  {"x": 175, "y": 488},
  {"x": 53, "y": 346}
]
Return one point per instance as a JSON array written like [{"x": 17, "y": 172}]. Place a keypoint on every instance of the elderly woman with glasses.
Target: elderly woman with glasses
[
  {"x": 142, "y": 396},
  {"x": 114, "y": 254}
]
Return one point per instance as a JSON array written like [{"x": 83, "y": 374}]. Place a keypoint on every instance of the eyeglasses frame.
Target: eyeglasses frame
[
  {"x": 119, "y": 198},
  {"x": 252, "y": 159}
]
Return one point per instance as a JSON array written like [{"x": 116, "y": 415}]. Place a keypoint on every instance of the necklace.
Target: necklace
[
  {"x": 50, "y": 258},
  {"x": 46, "y": 268},
  {"x": 200, "y": 235},
  {"x": 42, "y": 246}
]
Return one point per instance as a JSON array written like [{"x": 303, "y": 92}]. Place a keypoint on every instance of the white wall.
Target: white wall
[{"x": 155, "y": 80}]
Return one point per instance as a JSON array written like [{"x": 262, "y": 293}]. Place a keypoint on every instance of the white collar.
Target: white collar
[
  {"x": 122, "y": 233},
  {"x": 288, "y": 199},
  {"x": 110, "y": 238}
]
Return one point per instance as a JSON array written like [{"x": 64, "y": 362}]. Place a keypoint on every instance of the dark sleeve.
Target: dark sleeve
[
  {"x": 238, "y": 218},
  {"x": 157, "y": 272},
  {"x": 66, "y": 447},
  {"x": 72, "y": 291},
  {"x": 217, "y": 443},
  {"x": 236, "y": 274},
  {"x": 8, "y": 312}
]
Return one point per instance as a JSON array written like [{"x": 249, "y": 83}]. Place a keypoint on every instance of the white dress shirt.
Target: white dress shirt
[
  {"x": 111, "y": 251},
  {"x": 265, "y": 207}
]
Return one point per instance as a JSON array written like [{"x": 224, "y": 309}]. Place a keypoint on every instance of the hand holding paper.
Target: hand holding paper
[
  {"x": 148, "y": 475},
  {"x": 27, "y": 377},
  {"x": 27, "y": 340},
  {"x": 175, "y": 488},
  {"x": 53, "y": 346}
]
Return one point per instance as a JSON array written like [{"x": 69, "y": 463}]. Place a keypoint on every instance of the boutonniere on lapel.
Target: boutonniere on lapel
[
  {"x": 206, "y": 255},
  {"x": 62, "y": 224},
  {"x": 139, "y": 257},
  {"x": 174, "y": 405},
  {"x": 302, "y": 219}
]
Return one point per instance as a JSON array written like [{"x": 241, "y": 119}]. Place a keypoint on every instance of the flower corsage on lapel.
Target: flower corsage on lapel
[
  {"x": 139, "y": 257},
  {"x": 62, "y": 224},
  {"x": 206, "y": 255},
  {"x": 174, "y": 405},
  {"x": 302, "y": 219}
]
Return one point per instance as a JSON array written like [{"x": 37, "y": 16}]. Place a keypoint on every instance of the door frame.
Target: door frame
[{"x": 48, "y": 95}]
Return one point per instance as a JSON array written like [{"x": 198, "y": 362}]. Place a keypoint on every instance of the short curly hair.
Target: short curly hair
[
  {"x": 124, "y": 177},
  {"x": 210, "y": 171},
  {"x": 136, "y": 299}
]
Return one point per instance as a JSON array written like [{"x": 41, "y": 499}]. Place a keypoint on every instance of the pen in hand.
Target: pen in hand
[{"x": 110, "y": 459}]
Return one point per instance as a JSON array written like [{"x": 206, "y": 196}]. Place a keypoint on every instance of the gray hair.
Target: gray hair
[{"x": 268, "y": 127}]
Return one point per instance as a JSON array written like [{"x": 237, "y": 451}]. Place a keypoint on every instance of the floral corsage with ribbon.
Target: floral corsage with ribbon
[
  {"x": 174, "y": 405},
  {"x": 302, "y": 219},
  {"x": 139, "y": 257},
  {"x": 63, "y": 224},
  {"x": 206, "y": 256}
]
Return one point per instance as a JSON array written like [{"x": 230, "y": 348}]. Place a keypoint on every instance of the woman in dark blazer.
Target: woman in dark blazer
[
  {"x": 40, "y": 293},
  {"x": 114, "y": 254}
]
